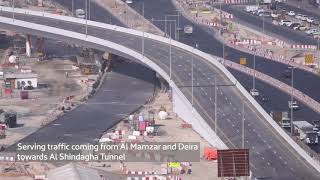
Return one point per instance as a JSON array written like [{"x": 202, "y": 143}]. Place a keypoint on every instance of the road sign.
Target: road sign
[
  {"x": 233, "y": 163},
  {"x": 174, "y": 164},
  {"x": 309, "y": 59},
  {"x": 243, "y": 61}
]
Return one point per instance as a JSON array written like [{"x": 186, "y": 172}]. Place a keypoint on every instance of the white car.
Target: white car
[
  {"x": 80, "y": 13},
  {"x": 311, "y": 31},
  {"x": 303, "y": 28},
  {"x": 298, "y": 16},
  {"x": 304, "y": 17},
  {"x": 291, "y": 13},
  {"x": 275, "y": 15},
  {"x": 310, "y": 19},
  {"x": 254, "y": 92},
  {"x": 129, "y": 1},
  {"x": 293, "y": 105},
  {"x": 285, "y": 23}
]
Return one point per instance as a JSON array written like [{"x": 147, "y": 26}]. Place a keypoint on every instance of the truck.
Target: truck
[
  {"x": 306, "y": 132},
  {"x": 251, "y": 8},
  {"x": 188, "y": 29},
  {"x": 281, "y": 118}
]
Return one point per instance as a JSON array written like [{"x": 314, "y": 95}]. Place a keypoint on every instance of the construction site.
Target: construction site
[{"x": 42, "y": 79}]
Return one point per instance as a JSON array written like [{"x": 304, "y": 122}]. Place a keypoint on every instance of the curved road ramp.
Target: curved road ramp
[{"x": 273, "y": 154}]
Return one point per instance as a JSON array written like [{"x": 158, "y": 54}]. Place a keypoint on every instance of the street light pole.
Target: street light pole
[
  {"x": 254, "y": 70},
  {"x": 142, "y": 49},
  {"x": 215, "y": 106},
  {"x": 192, "y": 78},
  {"x": 176, "y": 34},
  {"x": 72, "y": 7},
  {"x": 263, "y": 22},
  {"x": 86, "y": 4},
  {"x": 13, "y": 10},
  {"x": 170, "y": 51},
  {"x": 165, "y": 25},
  {"x": 242, "y": 143},
  {"x": 89, "y": 9},
  {"x": 166, "y": 20},
  {"x": 318, "y": 38},
  {"x": 221, "y": 31},
  {"x": 291, "y": 109}
]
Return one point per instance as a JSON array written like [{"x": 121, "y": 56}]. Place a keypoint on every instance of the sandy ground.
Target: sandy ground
[
  {"x": 171, "y": 131},
  {"x": 243, "y": 32}
]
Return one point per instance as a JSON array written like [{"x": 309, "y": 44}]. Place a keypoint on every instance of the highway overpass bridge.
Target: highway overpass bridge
[{"x": 273, "y": 154}]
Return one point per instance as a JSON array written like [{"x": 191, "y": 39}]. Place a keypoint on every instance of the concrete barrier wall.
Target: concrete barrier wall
[
  {"x": 180, "y": 101},
  {"x": 184, "y": 109},
  {"x": 189, "y": 49}
]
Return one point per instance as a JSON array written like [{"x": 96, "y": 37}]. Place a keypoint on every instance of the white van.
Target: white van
[
  {"x": 80, "y": 13},
  {"x": 285, "y": 23}
]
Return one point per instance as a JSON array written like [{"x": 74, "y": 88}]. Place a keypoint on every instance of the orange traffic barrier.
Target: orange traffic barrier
[{"x": 210, "y": 153}]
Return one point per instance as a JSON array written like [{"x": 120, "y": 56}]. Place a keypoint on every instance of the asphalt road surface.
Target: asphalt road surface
[
  {"x": 271, "y": 156},
  {"x": 125, "y": 89},
  {"x": 256, "y": 22},
  {"x": 299, "y": 10},
  {"x": 304, "y": 81},
  {"x": 204, "y": 37}
]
